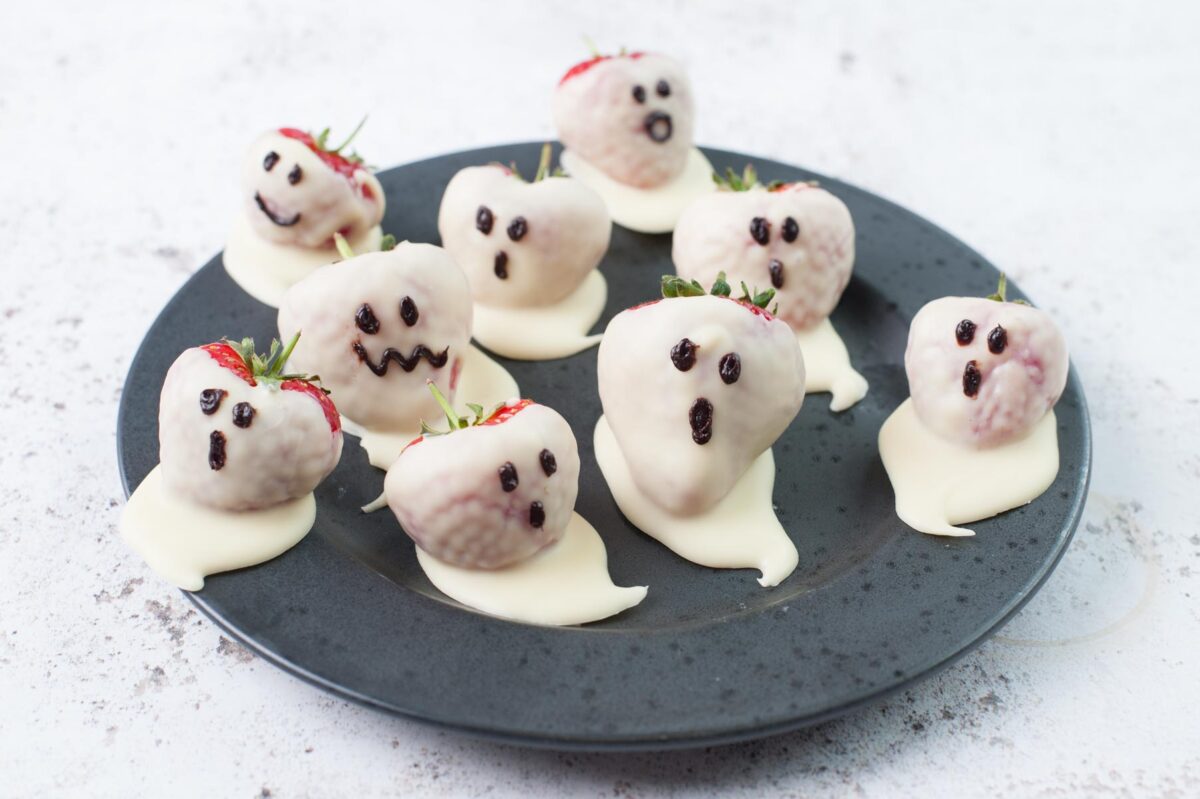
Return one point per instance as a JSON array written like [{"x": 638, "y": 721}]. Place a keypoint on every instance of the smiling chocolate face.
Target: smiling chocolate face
[{"x": 292, "y": 197}]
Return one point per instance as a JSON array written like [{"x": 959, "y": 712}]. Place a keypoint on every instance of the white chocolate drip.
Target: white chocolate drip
[
  {"x": 827, "y": 367},
  {"x": 543, "y": 333}
]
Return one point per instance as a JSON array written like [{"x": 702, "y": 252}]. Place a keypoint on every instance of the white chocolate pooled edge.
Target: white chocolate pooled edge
[
  {"x": 739, "y": 532},
  {"x": 566, "y": 583},
  {"x": 185, "y": 542},
  {"x": 266, "y": 270},
  {"x": 654, "y": 210},
  {"x": 827, "y": 366},
  {"x": 544, "y": 333},
  {"x": 939, "y": 484}
]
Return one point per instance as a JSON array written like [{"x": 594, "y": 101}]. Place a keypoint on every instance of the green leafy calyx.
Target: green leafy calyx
[
  {"x": 454, "y": 421},
  {"x": 269, "y": 368}
]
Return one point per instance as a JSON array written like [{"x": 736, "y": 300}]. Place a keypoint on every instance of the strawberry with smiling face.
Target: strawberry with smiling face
[
  {"x": 795, "y": 237},
  {"x": 984, "y": 371},
  {"x": 522, "y": 244},
  {"x": 299, "y": 192},
  {"x": 489, "y": 493},
  {"x": 629, "y": 115},
  {"x": 236, "y": 433},
  {"x": 695, "y": 387}
]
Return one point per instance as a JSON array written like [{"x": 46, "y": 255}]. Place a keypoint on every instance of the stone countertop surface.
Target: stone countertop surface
[{"x": 1058, "y": 139}]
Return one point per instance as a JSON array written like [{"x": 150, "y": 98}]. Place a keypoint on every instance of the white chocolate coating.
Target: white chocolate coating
[
  {"x": 647, "y": 400},
  {"x": 448, "y": 491},
  {"x": 598, "y": 116},
  {"x": 740, "y": 531},
  {"x": 308, "y": 212},
  {"x": 545, "y": 332},
  {"x": 566, "y": 233},
  {"x": 285, "y": 452},
  {"x": 324, "y": 306},
  {"x": 652, "y": 210},
  {"x": 184, "y": 542},
  {"x": 940, "y": 484},
  {"x": 812, "y": 270},
  {"x": 565, "y": 583},
  {"x": 1018, "y": 386}
]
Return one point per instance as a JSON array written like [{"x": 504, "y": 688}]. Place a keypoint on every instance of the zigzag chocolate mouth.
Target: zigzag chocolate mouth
[
  {"x": 436, "y": 360},
  {"x": 262, "y": 206}
]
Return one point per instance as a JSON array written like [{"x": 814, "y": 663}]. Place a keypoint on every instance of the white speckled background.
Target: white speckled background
[{"x": 1059, "y": 139}]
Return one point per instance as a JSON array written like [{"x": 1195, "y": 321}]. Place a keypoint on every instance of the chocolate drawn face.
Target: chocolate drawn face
[
  {"x": 684, "y": 356},
  {"x": 368, "y": 324}
]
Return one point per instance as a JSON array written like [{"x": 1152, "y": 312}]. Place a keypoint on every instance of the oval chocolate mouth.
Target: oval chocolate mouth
[
  {"x": 658, "y": 126},
  {"x": 262, "y": 206}
]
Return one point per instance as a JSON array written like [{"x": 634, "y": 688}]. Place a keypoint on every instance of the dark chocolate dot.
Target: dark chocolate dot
[
  {"x": 295, "y": 175},
  {"x": 210, "y": 400},
  {"x": 683, "y": 354},
  {"x": 971, "y": 379},
  {"x": 270, "y": 161},
  {"x": 965, "y": 332},
  {"x": 243, "y": 414},
  {"x": 760, "y": 230},
  {"x": 484, "y": 220},
  {"x": 500, "y": 265},
  {"x": 537, "y": 514},
  {"x": 549, "y": 462},
  {"x": 408, "y": 311},
  {"x": 366, "y": 320},
  {"x": 639, "y": 94},
  {"x": 776, "y": 270},
  {"x": 518, "y": 228},
  {"x": 700, "y": 416},
  {"x": 216, "y": 450},
  {"x": 663, "y": 88},
  {"x": 508, "y": 477},
  {"x": 730, "y": 368},
  {"x": 997, "y": 340},
  {"x": 791, "y": 229}
]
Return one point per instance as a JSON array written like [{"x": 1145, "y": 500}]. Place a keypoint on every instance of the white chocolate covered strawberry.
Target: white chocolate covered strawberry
[
  {"x": 629, "y": 115},
  {"x": 982, "y": 371},
  {"x": 522, "y": 244},
  {"x": 377, "y": 326},
  {"x": 695, "y": 387},
  {"x": 491, "y": 492},
  {"x": 795, "y": 237},
  {"x": 298, "y": 191},
  {"x": 236, "y": 433}
]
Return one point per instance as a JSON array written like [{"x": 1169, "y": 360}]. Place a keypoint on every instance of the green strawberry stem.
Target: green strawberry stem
[
  {"x": 543, "y": 168},
  {"x": 1001, "y": 294},
  {"x": 590, "y": 45},
  {"x": 456, "y": 422},
  {"x": 387, "y": 243},
  {"x": 343, "y": 247},
  {"x": 269, "y": 369},
  {"x": 349, "y": 138}
]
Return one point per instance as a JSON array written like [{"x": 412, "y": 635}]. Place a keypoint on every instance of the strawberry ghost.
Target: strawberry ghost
[{"x": 299, "y": 192}]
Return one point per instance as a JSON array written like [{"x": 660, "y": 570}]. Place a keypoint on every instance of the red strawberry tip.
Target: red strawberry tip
[{"x": 584, "y": 66}]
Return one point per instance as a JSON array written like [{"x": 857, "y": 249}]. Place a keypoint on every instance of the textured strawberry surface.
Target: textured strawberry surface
[
  {"x": 335, "y": 161},
  {"x": 327, "y": 406},
  {"x": 584, "y": 66},
  {"x": 228, "y": 357}
]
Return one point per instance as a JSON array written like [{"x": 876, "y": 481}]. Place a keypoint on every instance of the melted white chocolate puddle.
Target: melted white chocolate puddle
[
  {"x": 653, "y": 210},
  {"x": 739, "y": 532},
  {"x": 184, "y": 542},
  {"x": 940, "y": 484},
  {"x": 551, "y": 331},
  {"x": 266, "y": 270},
  {"x": 827, "y": 366},
  {"x": 482, "y": 381},
  {"x": 565, "y": 583}
]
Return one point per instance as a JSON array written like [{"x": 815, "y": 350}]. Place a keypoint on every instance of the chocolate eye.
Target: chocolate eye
[
  {"x": 971, "y": 378},
  {"x": 537, "y": 514},
  {"x": 791, "y": 229},
  {"x": 639, "y": 94},
  {"x": 243, "y": 414},
  {"x": 270, "y": 161},
  {"x": 216, "y": 450},
  {"x": 549, "y": 462},
  {"x": 366, "y": 320},
  {"x": 518, "y": 228},
  {"x": 683, "y": 354},
  {"x": 997, "y": 340},
  {"x": 730, "y": 368},
  {"x": 484, "y": 220},
  {"x": 663, "y": 88},
  {"x": 776, "y": 270},
  {"x": 760, "y": 230},
  {"x": 210, "y": 400},
  {"x": 508, "y": 477},
  {"x": 408, "y": 311},
  {"x": 295, "y": 175},
  {"x": 965, "y": 332}
]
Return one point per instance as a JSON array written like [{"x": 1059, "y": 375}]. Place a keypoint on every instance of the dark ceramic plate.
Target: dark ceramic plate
[{"x": 709, "y": 656}]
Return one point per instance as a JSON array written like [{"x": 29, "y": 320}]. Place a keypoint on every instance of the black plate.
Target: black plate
[{"x": 709, "y": 656}]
